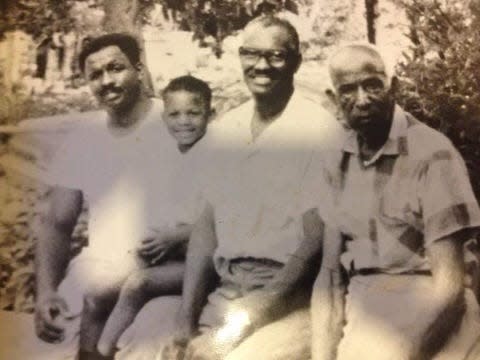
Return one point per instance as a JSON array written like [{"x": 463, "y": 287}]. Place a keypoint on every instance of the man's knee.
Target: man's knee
[
  {"x": 137, "y": 284},
  {"x": 284, "y": 339},
  {"x": 98, "y": 302}
]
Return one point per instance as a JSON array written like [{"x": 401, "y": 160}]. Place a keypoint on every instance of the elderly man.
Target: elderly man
[
  {"x": 114, "y": 159},
  {"x": 403, "y": 207},
  {"x": 254, "y": 234}
]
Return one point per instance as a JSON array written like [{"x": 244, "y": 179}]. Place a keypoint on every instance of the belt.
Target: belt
[
  {"x": 378, "y": 271},
  {"x": 259, "y": 261}
]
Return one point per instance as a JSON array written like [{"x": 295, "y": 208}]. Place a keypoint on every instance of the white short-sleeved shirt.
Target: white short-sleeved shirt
[
  {"x": 254, "y": 187},
  {"x": 131, "y": 182}
]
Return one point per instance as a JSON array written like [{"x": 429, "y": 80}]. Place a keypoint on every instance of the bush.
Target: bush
[{"x": 440, "y": 76}]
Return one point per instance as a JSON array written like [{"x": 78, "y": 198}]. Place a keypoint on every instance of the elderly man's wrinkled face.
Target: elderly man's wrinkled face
[
  {"x": 113, "y": 79},
  {"x": 363, "y": 90},
  {"x": 268, "y": 60}
]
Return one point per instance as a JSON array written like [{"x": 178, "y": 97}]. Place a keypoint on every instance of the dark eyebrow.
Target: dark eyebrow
[
  {"x": 346, "y": 87},
  {"x": 94, "y": 73}
]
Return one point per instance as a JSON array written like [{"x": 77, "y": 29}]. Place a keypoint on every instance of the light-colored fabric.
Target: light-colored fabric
[
  {"x": 151, "y": 330},
  {"x": 286, "y": 338},
  {"x": 255, "y": 185},
  {"x": 132, "y": 182},
  {"x": 237, "y": 279},
  {"x": 382, "y": 313},
  {"x": 415, "y": 192}
]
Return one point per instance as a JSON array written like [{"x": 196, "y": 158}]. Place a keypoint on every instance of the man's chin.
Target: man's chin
[
  {"x": 185, "y": 141},
  {"x": 119, "y": 106},
  {"x": 261, "y": 88}
]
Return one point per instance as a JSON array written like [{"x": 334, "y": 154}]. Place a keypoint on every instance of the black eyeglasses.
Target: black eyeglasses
[{"x": 275, "y": 58}]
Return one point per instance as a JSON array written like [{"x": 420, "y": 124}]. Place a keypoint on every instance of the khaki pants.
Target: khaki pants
[
  {"x": 382, "y": 313},
  {"x": 287, "y": 338}
]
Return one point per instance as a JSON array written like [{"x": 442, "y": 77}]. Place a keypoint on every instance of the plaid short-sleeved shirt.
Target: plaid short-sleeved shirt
[{"x": 414, "y": 191}]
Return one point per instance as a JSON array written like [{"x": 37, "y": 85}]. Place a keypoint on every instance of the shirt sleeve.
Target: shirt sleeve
[
  {"x": 67, "y": 166},
  {"x": 316, "y": 192},
  {"x": 446, "y": 197}
]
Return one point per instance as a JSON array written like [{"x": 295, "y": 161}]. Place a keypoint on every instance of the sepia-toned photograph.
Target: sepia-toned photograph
[{"x": 240, "y": 179}]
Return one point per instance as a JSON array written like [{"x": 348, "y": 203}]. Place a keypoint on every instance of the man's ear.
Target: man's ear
[
  {"x": 299, "y": 60},
  {"x": 139, "y": 67},
  {"x": 332, "y": 105},
  {"x": 212, "y": 113},
  {"x": 331, "y": 95}
]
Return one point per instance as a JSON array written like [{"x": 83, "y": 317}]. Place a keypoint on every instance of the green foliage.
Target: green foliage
[
  {"x": 17, "y": 239},
  {"x": 35, "y": 17},
  {"x": 220, "y": 18},
  {"x": 16, "y": 271},
  {"x": 441, "y": 77}
]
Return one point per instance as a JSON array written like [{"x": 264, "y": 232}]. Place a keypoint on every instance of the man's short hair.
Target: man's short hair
[
  {"x": 270, "y": 21},
  {"x": 127, "y": 43},
  {"x": 190, "y": 84},
  {"x": 365, "y": 48}
]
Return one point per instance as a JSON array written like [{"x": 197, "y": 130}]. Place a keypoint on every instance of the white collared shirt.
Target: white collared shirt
[{"x": 256, "y": 190}]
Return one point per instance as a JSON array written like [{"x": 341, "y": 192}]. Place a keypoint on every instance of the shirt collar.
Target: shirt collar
[{"x": 396, "y": 143}]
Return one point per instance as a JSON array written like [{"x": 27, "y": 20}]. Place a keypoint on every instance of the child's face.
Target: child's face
[{"x": 186, "y": 116}]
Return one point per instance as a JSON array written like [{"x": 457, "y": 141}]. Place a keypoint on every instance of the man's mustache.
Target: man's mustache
[
  {"x": 108, "y": 89},
  {"x": 270, "y": 73}
]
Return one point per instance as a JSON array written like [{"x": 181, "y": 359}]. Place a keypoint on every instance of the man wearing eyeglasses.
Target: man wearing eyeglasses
[{"x": 254, "y": 234}]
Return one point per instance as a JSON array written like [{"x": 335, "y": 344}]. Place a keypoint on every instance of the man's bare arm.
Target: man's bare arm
[
  {"x": 54, "y": 229},
  {"x": 328, "y": 299},
  {"x": 199, "y": 271},
  {"x": 291, "y": 288},
  {"x": 52, "y": 254},
  {"x": 445, "y": 311}
]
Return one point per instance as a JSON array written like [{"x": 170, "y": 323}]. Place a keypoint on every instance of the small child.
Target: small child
[{"x": 187, "y": 110}]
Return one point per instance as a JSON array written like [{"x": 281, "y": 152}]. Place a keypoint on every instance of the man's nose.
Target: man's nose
[
  {"x": 362, "y": 99},
  {"x": 262, "y": 63},
  {"x": 107, "y": 78}
]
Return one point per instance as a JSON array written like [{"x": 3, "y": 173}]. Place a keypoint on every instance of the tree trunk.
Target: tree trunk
[
  {"x": 121, "y": 16},
  {"x": 125, "y": 16},
  {"x": 371, "y": 14}
]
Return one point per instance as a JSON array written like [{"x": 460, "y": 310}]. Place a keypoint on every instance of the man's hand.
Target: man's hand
[
  {"x": 175, "y": 348},
  {"x": 50, "y": 311},
  {"x": 159, "y": 244}
]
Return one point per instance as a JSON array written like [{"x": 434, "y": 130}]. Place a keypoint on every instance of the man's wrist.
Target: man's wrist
[
  {"x": 45, "y": 292},
  {"x": 185, "y": 324}
]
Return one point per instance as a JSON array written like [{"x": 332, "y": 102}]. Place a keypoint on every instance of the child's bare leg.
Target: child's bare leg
[
  {"x": 138, "y": 289},
  {"x": 98, "y": 303}
]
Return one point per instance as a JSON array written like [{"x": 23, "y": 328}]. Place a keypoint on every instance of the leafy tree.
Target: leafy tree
[
  {"x": 35, "y": 17},
  {"x": 441, "y": 77}
]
